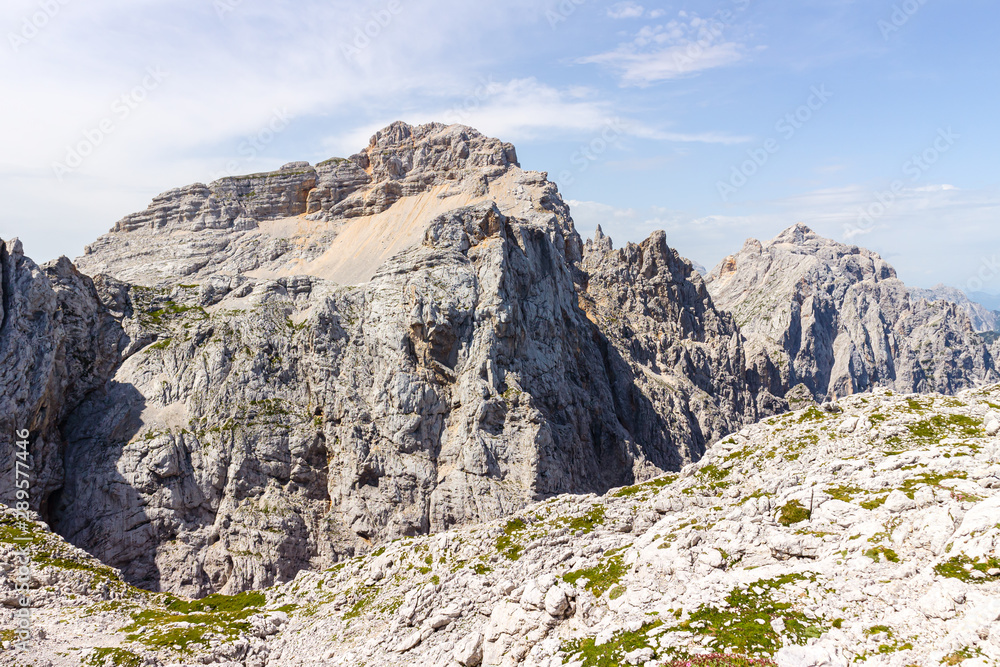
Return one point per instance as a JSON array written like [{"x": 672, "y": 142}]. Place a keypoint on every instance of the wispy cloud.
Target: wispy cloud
[
  {"x": 684, "y": 46},
  {"x": 527, "y": 109},
  {"x": 228, "y": 75},
  {"x": 723, "y": 138},
  {"x": 625, "y": 10},
  {"x": 516, "y": 109}
]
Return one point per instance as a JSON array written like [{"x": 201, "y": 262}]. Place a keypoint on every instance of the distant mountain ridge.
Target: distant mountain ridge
[
  {"x": 990, "y": 301},
  {"x": 835, "y": 319},
  {"x": 982, "y": 317}
]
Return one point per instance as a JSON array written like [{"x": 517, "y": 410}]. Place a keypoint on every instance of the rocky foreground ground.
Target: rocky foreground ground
[{"x": 864, "y": 532}]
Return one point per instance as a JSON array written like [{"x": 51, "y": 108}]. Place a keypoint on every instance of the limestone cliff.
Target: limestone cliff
[{"x": 57, "y": 344}]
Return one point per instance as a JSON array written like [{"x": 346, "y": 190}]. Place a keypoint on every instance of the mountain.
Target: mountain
[
  {"x": 280, "y": 371},
  {"x": 836, "y": 320},
  {"x": 862, "y": 533},
  {"x": 983, "y": 319},
  {"x": 990, "y": 301},
  {"x": 392, "y": 409}
]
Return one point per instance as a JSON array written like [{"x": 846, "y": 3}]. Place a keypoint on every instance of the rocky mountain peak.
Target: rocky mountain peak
[
  {"x": 797, "y": 234},
  {"x": 400, "y": 149},
  {"x": 377, "y": 202},
  {"x": 600, "y": 242},
  {"x": 274, "y": 373},
  {"x": 836, "y": 318},
  {"x": 315, "y": 360}
]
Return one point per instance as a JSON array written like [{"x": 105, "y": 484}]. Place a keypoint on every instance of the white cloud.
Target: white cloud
[
  {"x": 723, "y": 138},
  {"x": 681, "y": 47},
  {"x": 527, "y": 109},
  {"x": 514, "y": 110},
  {"x": 625, "y": 10}
]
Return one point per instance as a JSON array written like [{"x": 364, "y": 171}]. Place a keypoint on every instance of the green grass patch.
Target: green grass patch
[
  {"x": 113, "y": 657},
  {"x": 161, "y": 345},
  {"x": 652, "y": 485},
  {"x": 874, "y": 502},
  {"x": 601, "y": 577},
  {"x": 612, "y": 653},
  {"x": 722, "y": 660},
  {"x": 173, "y": 310},
  {"x": 587, "y": 522},
  {"x": 928, "y": 479},
  {"x": 792, "y": 512},
  {"x": 506, "y": 544},
  {"x": 222, "y": 604},
  {"x": 961, "y": 655},
  {"x": 844, "y": 493},
  {"x": 962, "y": 567},
  {"x": 364, "y": 599},
  {"x": 713, "y": 473},
  {"x": 813, "y": 414},
  {"x": 216, "y": 615},
  {"x": 100, "y": 574},
  {"x": 481, "y": 569},
  {"x": 19, "y": 533},
  {"x": 880, "y": 552},
  {"x": 940, "y": 426},
  {"x": 744, "y": 625}
]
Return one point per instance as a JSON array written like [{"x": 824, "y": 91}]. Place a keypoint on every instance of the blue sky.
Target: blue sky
[{"x": 716, "y": 121}]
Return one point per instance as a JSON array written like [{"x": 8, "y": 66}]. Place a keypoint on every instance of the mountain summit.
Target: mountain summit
[{"x": 340, "y": 220}]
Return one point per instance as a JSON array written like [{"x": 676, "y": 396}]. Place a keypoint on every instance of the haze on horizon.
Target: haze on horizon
[{"x": 717, "y": 121}]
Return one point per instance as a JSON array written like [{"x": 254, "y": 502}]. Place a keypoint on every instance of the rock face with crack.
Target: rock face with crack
[
  {"x": 58, "y": 343},
  {"x": 322, "y": 358},
  {"x": 836, "y": 319}
]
